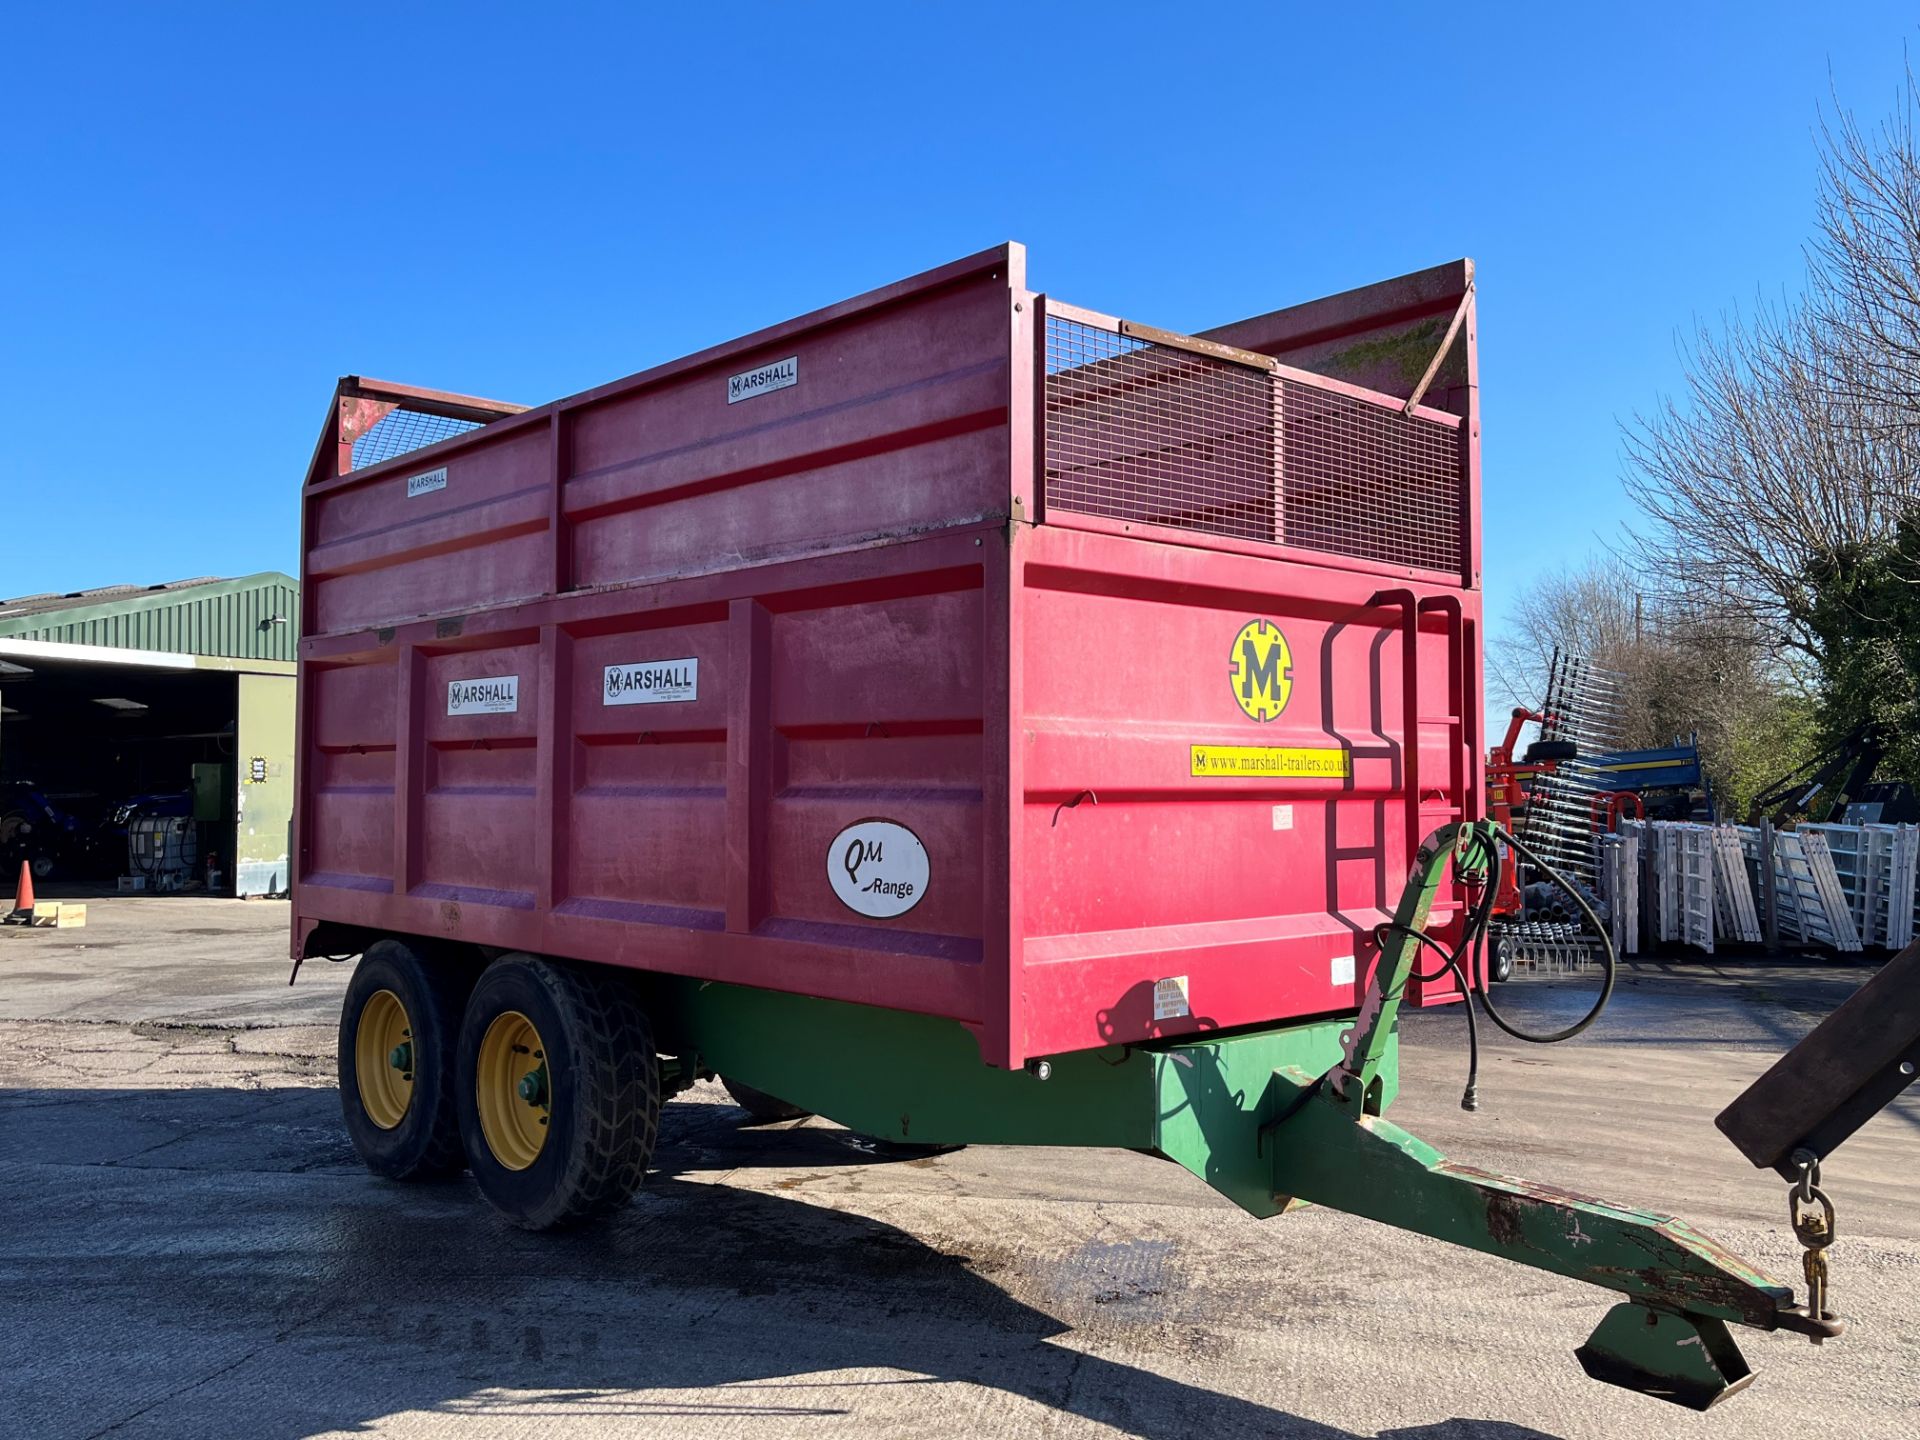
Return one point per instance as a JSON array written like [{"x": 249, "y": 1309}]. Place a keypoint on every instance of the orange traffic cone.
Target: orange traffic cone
[{"x": 23, "y": 896}]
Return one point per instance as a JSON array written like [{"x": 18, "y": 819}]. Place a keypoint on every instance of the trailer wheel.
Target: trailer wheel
[
  {"x": 558, "y": 1091},
  {"x": 764, "y": 1108},
  {"x": 1499, "y": 958},
  {"x": 398, "y": 1028}
]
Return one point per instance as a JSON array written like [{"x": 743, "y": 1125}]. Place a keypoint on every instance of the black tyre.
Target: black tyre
[
  {"x": 558, "y": 1091},
  {"x": 1550, "y": 751},
  {"x": 399, "y": 1027},
  {"x": 19, "y": 842},
  {"x": 1499, "y": 957},
  {"x": 764, "y": 1108}
]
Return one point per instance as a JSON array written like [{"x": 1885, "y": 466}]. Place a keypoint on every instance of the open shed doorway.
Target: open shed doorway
[{"x": 95, "y": 756}]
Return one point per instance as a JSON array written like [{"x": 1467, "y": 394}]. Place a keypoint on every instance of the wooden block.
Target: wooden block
[
  {"x": 1853, "y": 1064},
  {"x": 59, "y": 915}
]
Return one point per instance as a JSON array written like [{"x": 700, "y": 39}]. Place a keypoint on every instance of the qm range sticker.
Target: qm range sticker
[
  {"x": 1294, "y": 762},
  {"x": 653, "y": 682},
  {"x": 878, "y": 868},
  {"x": 492, "y": 695},
  {"x": 777, "y": 376},
  {"x": 1260, "y": 668}
]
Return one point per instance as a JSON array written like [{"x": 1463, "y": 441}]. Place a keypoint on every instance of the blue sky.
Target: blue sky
[{"x": 210, "y": 214}]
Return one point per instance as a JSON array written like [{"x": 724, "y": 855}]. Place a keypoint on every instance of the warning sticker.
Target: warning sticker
[
  {"x": 1170, "y": 998},
  {"x": 1300, "y": 761}
]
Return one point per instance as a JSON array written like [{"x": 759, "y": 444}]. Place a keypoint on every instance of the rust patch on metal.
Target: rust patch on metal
[
  {"x": 1503, "y": 1219},
  {"x": 1686, "y": 1291},
  {"x": 1546, "y": 1194},
  {"x": 358, "y": 415}
]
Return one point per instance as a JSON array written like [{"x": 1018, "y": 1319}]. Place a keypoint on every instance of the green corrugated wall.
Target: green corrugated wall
[{"x": 228, "y": 618}]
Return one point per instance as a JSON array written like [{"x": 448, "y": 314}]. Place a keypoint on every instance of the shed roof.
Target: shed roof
[{"x": 253, "y": 617}]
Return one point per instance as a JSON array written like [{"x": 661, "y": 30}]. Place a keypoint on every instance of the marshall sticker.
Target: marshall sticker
[
  {"x": 1260, "y": 668},
  {"x": 878, "y": 868},
  {"x": 418, "y": 485},
  {"x": 653, "y": 682},
  {"x": 492, "y": 695},
  {"x": 777, "y": 376}
]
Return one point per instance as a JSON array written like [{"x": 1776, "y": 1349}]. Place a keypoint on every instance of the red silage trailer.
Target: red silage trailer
[{"x": 998, "y": 700}]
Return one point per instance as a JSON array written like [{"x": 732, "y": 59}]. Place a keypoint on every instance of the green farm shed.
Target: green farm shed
[{"x": 133, "y": 701}]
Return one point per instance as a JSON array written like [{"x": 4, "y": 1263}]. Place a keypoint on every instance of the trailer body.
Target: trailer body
[
  {"x": 1146, "y": 641},
  {"x": 959, "y": 714}
]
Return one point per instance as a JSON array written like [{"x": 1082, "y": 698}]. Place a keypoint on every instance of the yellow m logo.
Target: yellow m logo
[{"x": 1261, "y": 668}]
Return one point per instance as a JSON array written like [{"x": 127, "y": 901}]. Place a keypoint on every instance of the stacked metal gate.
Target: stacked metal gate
[
  {"x": 1835, "y": 887},
  {"x": 1875, "y": 865}
]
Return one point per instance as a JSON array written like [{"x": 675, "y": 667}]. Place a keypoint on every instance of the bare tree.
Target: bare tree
[
  {"x": 1687, "y": 665},
  {"x": 1771, "y": 467},
  {"x": 1685, "y": 662},
  {"x": 1796, "y": 442},
  {"x": 1866, "y": 252}
]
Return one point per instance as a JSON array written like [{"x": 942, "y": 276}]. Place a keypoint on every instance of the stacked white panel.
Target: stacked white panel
[
  {"x": 1853, "y": 852},
  {"x": 1833, "y": 899},
  {"x": 1903, "y": 891},
  {"x": 1619, "y": 873},
  {"x": 1875, "y": 868},
  {"x": 1691, "y": 848},
  {"x": 1733, "y": 887}
]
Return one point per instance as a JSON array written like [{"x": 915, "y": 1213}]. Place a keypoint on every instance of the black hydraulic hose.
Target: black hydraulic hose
[
  {"x": 1472, "y": 946},
  {"x": 1448, "y": 958},
  {"x": 1610, "y": 965},
  {"x": 1472, "y": 932},
  {"x": 1449, "y": 964}
]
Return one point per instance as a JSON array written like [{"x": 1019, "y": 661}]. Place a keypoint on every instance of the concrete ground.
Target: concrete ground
[{"x": 189, "y": 1247}]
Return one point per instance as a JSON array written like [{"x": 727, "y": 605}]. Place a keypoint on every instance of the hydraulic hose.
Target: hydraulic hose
[
  {"x": 1609, "y": 965},
  {"x": 1472, "y": 943},
  {"x": 1449, "y": 963}
]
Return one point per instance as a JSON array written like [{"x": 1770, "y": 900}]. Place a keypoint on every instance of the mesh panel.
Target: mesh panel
[
  {"x": 1152, "y": 434},
  {"x": 1364, "y": 480},
  {"x": 403, "y": 430},
  {"x": 1159, "y": 435}
]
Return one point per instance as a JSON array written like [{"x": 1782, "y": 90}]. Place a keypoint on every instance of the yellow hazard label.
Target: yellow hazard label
[
  {"x": 1304, "y": 761},
  {"x": 1260, "y": 667}
]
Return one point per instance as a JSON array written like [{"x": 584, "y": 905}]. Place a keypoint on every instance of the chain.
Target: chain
[{"x": 1810, "y": 1212}]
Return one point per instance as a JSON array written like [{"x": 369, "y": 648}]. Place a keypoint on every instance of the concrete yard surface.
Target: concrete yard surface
[{"x": 191, "y": 1249}]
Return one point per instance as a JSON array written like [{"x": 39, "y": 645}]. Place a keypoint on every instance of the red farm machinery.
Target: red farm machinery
[{"x": 961, "y": 715}]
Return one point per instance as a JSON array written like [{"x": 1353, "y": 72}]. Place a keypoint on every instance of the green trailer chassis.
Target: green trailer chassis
[{"x": 1271, "y": 1119}]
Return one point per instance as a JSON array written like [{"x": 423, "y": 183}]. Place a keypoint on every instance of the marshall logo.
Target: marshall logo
[
  {"x": 653, "y": 682},
  {"x": 490, "y": 695},
  {"x": 777, "y": 376},
  {"x": 1260, "y": 668}
]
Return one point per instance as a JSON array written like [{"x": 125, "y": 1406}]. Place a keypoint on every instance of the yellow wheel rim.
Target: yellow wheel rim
[
  {"x": 383, "y": 1059},
  {"x": 512, "y": 1090}
]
